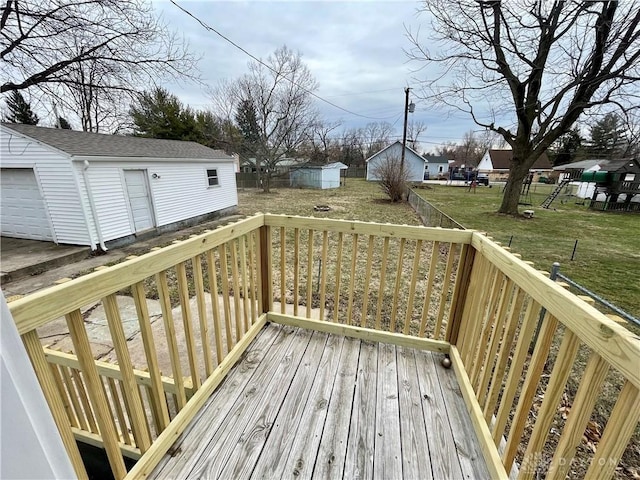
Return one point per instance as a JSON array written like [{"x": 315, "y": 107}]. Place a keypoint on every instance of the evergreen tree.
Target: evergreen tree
[
  {"x": 160, "y": 114},
  {"x": 63, "y": 124},
  {"x": 20, "y": 110},
  {"x": 568, "y": 146},
  {"x": 247, "y": 120},
  {"x": 608, "y": 139}
]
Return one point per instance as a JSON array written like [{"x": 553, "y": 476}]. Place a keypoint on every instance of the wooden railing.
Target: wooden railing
[{"x": 452, "y": 291}]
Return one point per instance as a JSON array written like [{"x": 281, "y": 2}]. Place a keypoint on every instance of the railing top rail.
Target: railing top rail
[
  {"x": 45, "y": 305},
  {"x": 408, "y": 232},
  {"x": 611, "y": 341}
]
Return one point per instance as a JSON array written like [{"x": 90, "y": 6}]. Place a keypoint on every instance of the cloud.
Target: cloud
[{"x": 354, "y": 49}]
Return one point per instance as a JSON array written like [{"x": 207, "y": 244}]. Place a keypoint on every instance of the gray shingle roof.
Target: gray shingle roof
[{"x": 100, "y": 145}]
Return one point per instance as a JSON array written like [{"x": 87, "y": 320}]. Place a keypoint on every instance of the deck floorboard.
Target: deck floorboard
[{"x": 304, "y": 404}]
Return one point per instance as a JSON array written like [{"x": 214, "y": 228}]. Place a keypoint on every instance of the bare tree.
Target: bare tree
[
  {"x": 88, "y": 53},
  {"x": 392, "y": 178},
  {"x": 321, "y": 143},
  {"x": 280, "y": 90},
  {"x": 537, "y": 65},
  {"x": 374, "y": 137},
  {"x": 414, "y": 130}
]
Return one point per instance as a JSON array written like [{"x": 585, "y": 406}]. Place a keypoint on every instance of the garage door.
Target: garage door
[{"x": 22, "y": 210}]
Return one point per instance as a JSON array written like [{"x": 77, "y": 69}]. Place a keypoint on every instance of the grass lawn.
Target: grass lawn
[{"x": 607, "y": 258}]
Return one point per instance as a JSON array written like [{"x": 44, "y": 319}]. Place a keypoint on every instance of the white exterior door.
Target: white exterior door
[
  {"x": 139, "y": 199},
  {"x": 23, "y": 213}
]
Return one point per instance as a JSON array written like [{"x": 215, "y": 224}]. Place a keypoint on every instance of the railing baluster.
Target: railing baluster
[
  {"x": 338, "y": 272},
  {"x": 553, "y": 395},
  {"x": 245, "y": 283},
  {"x": 215, "y": 305},
  {"x": 296, "y": 270},
  {"x": 158, "y": 399},
  {"x": 503, "y": 355},
  {"x": 435, "y": 251},
  {"x": 583, "y": 403},
  {"x": 620, "y": 426},
  {"x": 252, "y": 272},
  {"x": 323, "y": 273},
  {"x": 445, "y": 290},
  {"x": 138, "y": 419},
  {"x": 224, "y": 283},
  {"x": 412, "y": 287},
  {"x": 105, "y": 422},
  {"x": 309, "y": 272},
  {"x": 352, "y": 278},
  {"x": 75, "y": 397},
  {"x": 47, "y": 383},
  {"x": 383, "y": 271},
  {"x": 64, "y": 395},
  {"x": 283, "y": 272},
  {"x": 515, "y": 371},
  {"x": 482, "y": 329},
  {"x": 396, "y": 289},
  {"x": 367, "y": 281},
  {"x": 86, "y": 405},
  {"x": 198, "y": 282},
  {"x": 170, "y": 334},
  {"x": 494, "y": 342},
  {"x": 117, "y": 406},
  {"x": 233, "y": 250}
]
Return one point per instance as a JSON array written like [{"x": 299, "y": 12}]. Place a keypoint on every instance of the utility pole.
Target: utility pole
[{"x": 408, "y": 107}]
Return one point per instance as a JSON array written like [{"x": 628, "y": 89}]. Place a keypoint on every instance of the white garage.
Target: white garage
[
  {"x": 23, "y": 213},
  {"x": 99, "y": 190}
]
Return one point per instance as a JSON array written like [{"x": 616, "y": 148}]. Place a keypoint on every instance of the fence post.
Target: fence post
[
  {"x": 265, "y": 269},
  {"x": 463, "y": 279}
]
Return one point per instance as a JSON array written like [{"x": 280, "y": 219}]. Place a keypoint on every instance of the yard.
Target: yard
[{"x": 607, "y": 258}]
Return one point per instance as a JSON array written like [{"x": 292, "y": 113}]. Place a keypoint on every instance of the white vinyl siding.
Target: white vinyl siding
[
  {"x": 180, "y": 193},
  {"x": 59, "y": 190},
  {"x": 414, "y": 164}
]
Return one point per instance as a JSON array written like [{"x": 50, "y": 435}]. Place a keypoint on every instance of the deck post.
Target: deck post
[
  {"x": 463, "y": 279},
  {"x": 266, "y": 292}
]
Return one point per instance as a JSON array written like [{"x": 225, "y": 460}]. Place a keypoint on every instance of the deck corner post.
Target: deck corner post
[
  {"x": 463, "y": 280},
  {"x": 266, "y": 292}
]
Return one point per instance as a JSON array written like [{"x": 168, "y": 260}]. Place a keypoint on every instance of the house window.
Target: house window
[
  {"x": 212, "y": 177},
  {"x": 440, "y": 169}
]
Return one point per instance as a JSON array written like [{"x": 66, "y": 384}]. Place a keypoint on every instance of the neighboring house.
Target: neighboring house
[
  {"x": 496, "y": 164},
  {"x": 84, "y": 188},
  {"x": 414, "y": 163},
  {"x": 317, "y": 176},
  {"x": 436, "y": 166}
]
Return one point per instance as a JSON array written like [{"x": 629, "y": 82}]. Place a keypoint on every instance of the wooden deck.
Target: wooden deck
[{"x": 307, "y": 404}]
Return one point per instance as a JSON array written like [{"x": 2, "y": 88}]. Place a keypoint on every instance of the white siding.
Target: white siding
[
  {"x": 330, "y": 178},
  {"x": 59, "y": 189},
  {"x": 413, "y": 163},
  {"x": 485, "y": 165},
  {"x": 435, "y": 169},
  {"x": 182, "y": 191}
]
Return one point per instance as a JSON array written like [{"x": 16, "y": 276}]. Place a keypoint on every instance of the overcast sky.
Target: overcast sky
[{"x": 354, "y": 50}]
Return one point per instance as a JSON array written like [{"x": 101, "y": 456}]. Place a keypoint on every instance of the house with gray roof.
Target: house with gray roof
[
  {"x": 417, "y": 166},
  {"x": 92, "y": 189}
]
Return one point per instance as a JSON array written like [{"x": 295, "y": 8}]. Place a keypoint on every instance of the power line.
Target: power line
[{"x": 211, "y": 29}]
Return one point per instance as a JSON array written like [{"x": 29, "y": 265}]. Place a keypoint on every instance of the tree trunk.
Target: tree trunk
[{"x": 517, "y": 174}]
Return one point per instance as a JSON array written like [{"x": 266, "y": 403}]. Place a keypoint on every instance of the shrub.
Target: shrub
[{"x": 393, "y": 179}]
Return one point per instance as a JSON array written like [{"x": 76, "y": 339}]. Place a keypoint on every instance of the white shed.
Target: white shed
[
  {"x": 317, "y": 176},
  {"x": 414, "y": 164},
  {"x": 85, "y": 188}
]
